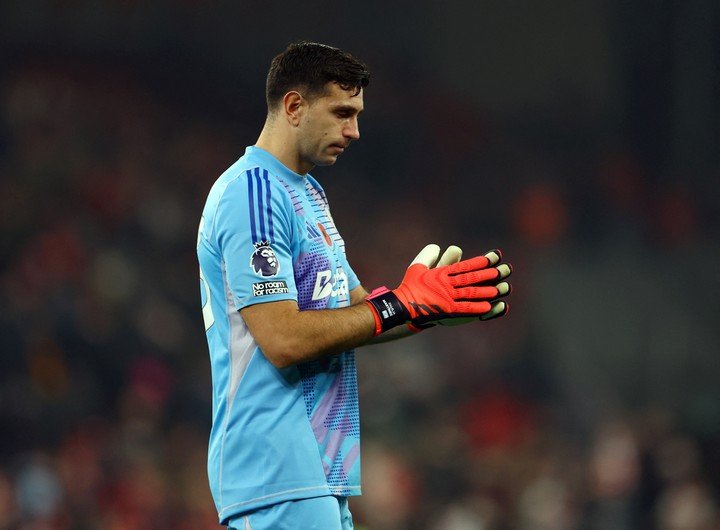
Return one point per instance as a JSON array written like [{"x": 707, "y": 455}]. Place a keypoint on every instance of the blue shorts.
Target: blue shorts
[{"x": 318, "y": 513}]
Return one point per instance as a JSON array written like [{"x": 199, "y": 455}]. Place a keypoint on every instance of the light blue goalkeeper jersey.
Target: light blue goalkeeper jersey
[{"x": 266, "y": 234}]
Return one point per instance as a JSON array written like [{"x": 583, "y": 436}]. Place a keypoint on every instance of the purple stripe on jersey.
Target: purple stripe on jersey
[
  {"x": 261, "y": 213},
  {"x": 268, "y": 202},
  {"x": 252, "y": 206}
]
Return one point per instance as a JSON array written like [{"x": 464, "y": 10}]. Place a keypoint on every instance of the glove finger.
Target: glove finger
[
  {"x": 452, "y": 254},
  {"x": 427, "y": 256},
  {"x": 466, "y": 265},
  {"x": 494, "y": 256},
  {"x": 505, "y": 270},
  {"x": 498, "y": 309},
  {"x": 476, "y": 293},
  {"x": 478, "y": 277},
  {"x": 504, "y": 289},
  {"x": 471, "y": 308},
  {"x": 484, "y": 276},
  {"x": 424, "y": 315},
  {"x": 480, "y": 262},
  {"x": 490, "y": 258}
]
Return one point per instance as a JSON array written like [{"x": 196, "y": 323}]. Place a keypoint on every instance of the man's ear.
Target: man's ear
[{"x": 293, "y": 105}]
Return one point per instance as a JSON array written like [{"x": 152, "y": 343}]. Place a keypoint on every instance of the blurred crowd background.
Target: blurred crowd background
[{"x": 580, "y": 137}]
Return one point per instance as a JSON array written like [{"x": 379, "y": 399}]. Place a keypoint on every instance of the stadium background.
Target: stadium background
[{"x": 581, "y": 137}]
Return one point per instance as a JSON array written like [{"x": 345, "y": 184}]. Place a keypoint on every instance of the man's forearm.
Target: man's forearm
[{"x": 289, "y": 336}]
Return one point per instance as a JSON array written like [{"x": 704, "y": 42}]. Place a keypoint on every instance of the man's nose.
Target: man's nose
[{"x": 352, "y": 129}]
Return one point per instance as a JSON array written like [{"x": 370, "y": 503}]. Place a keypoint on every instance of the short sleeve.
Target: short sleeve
[{"x": 254, "y": 235}]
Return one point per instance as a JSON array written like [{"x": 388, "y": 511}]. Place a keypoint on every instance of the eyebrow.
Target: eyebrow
[{"x": 344, "y": 106}]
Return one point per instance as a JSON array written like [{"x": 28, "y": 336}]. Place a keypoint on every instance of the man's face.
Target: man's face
[{"x": 328, "y": 125}]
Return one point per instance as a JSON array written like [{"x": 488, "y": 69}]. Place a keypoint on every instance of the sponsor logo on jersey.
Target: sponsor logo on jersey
[
  {"x": 267, "y": 288},
  {"x": 263, "y": 261},
  {"x": 329, "y": 284}
]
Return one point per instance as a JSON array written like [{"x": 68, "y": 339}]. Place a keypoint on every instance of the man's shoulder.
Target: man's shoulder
[
  {"x": 240, "y": 170},
  {"x": 244, "y": 176},
  {"x": 248, "y": 185}
]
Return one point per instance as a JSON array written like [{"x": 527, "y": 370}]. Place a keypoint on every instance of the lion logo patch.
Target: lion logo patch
[{"x": 263, "y": 261}]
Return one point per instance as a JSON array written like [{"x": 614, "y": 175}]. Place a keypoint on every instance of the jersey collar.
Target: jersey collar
[{"x": 270, "y": 162}]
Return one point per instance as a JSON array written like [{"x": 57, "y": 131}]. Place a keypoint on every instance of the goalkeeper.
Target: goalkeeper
[{"x": 283, "y": 309}]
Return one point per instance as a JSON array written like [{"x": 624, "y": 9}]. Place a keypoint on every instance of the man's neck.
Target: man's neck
[{"x": 281, "y": 145}]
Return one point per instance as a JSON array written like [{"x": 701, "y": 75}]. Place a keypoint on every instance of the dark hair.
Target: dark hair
[{"x": 309, "y": 66}]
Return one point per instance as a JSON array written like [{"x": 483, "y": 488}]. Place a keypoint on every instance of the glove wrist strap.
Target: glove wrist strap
[{"x": 387, "y": 308}]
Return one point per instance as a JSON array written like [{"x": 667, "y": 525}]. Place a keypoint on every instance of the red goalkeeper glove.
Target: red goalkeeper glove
[
  {"x": 453, "y": 254},
  {"x": 467, "y": 288}
]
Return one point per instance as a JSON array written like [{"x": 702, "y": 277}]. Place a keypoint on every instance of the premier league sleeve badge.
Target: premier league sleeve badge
[{"x": 263, "y": 261}]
